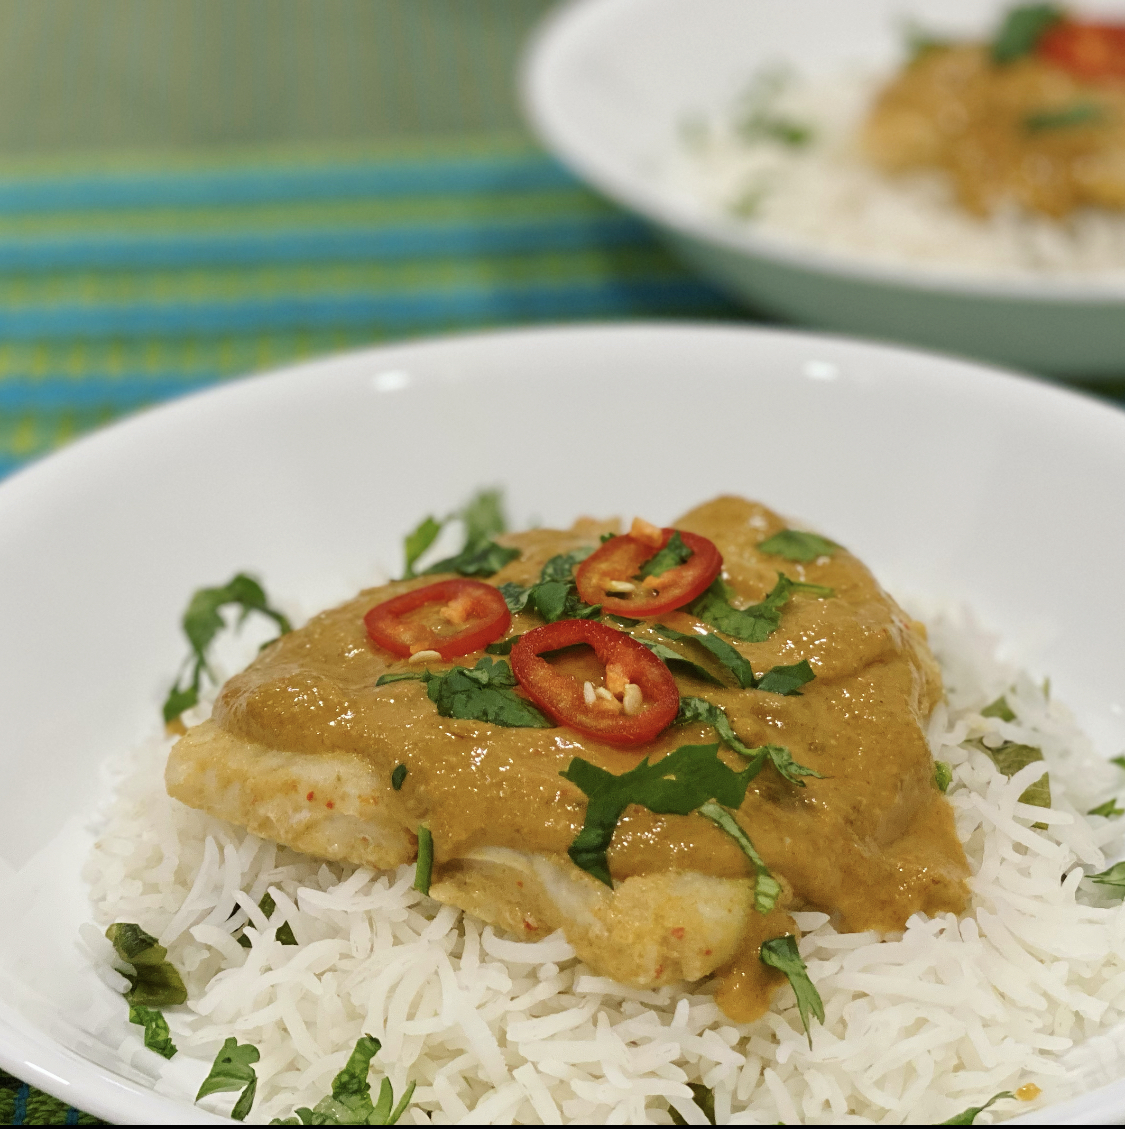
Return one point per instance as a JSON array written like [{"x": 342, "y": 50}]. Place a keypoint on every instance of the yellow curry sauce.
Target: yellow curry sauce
[
  {"x": 1025, "y": 132},
  {"x": 870, "y": 842}
]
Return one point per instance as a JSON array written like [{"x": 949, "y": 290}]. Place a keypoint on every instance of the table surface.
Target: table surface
[{"x": 192, "y": 191}]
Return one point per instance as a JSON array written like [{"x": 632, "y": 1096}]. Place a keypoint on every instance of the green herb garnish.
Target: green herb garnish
[
  {"x": 418, "y": 540},
  {"x": 720, "y": 649},
  {"x": 1022, "y": 29},
  {"x": 233, "y": 1069},
  {"x": 1109, "y": 809},
  {"x": 781, "y": 953},
  {"x": 1119, "y": 761},
  {"x": 554, "y": 596},
  {"x": 968, "y": 1116},
  {"x": 157, "y": 1036},
  {"x": 1081, "y": 113},
  {"x": 483, "y": 519},
  {"x": 202, "y": 622},
  {"x": 481, "y": 694},
  {"x": 1009, "y": 758},
  {"x": 677, "y": 784},
  {"x": 675, "y": 660},
  {"x": 425, "y": 868},
  {"x": 480, "y": 559},
  {"x": 943, "y": 775},
  {"x": 1114, "y": 878},
  {"x": 504, "y": 647},
  {"x": 154, "y": 981},
  {"x": 284, "y": 932},
  {"x": 796, "y": 545},
  {"x": 1000, "y": 709},
  {"x": 787, "y": 680},
  {"x": 759, "y": 120},
  {"x": 703, "y": 1097},
  {"x": 700, "y": 710},
  {"x": 674, "y": 554},
  {"x": 767, "y": 889},
  {"x": 350, "y": 1101},
  {"x": 398, "y": 776},
  {"x": 758, "y": 622}
]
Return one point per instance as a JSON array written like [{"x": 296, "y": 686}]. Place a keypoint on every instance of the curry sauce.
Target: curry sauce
[{"x": 302, "y": 745}]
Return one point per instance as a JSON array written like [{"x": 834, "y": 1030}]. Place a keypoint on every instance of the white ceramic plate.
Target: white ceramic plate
[
  {"x": 948, "y": 478},
  {"x": 607, "y": 85}
]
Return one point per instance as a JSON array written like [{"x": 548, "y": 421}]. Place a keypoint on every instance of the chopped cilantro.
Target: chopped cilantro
[
  {"x": 787, "y": 680},
  {"x": 943, "y": 775},
  {"x": 1119, "y": 761},
  {"x": 418, "y": 540},
  {"x": 233, "y": 1069},
  {"x": 700, "y": 710},
  {"x": 797, "y": 545},
  {"x": 1113, "y": 878},
  {"x": 1022, "y": 29},
  {"x": 504, "y": 647},
  {"x": 758, "y": 622},
  {"x": 554, "y": 596},
  {"x": 157, "y": 1036},
  {"x": 1000, "y": 709},
  {"x": 781, "y": 953},
  {"x": 425, "y": 868},
  {"x": 759, "y": 119},
  {"x": 483, "y": 516},
  {"x": 398, "y": 776},
  {"x": 677, "y": 784},
  {"x": 154, "y": 981},
  {"x": 350, "y": 1101},
  {"x": 703, "y": 1097},
  {"x": 481, "y": 694},
  {"x": 476, "y": 559},
  {"x": 1109, "y": 809},
  {"x": 1009, "y": 758},
  {"x": 677, "y": 661},
  {"x": 968, "y": 1116},
  {"x": 726, "y": 654},
  {"x": 202, "y": 622},
  {"x": 1080, "y": 113},
  {"x": 767, "y": 889},
  {"x": 284, "y": 932},
  {"x": 674, "y": 554}
]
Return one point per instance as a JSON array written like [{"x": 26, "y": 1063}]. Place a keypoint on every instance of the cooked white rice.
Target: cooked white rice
[
  {"x": 917, "y": 1026},
  {"x": 827, "y": 196}
]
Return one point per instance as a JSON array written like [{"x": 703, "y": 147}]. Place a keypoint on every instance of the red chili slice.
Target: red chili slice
[
  {"x": 626, "y": 663},
  {"x": 452, "y": 617},
  {"x": 603, "y": 576},
  {"x": 1088, "y": 50}
]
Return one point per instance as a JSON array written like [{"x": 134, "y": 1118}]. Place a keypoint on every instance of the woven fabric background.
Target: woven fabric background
[{"x": 191, "y": 190}]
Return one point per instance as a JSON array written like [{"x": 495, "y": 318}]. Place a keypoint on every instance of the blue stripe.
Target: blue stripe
[
  {"x": 96, "y": 390},
  {"x": 71, "y": 1116},
  {"x": 19, "y": 1113},
  {"x": 412, "y": 241},
  {"x": 262, "y": 183},
  {"x": 6, "y": 467},
  {"x": 396, "y": 310}
]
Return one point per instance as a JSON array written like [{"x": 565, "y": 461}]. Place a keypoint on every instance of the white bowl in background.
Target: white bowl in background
[
  {"x": 607, "y": 85},
  {"x": 949, "y": 478}
]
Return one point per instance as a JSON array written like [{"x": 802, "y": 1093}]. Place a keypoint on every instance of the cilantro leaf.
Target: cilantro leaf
[
  {"x": 676, "y": 785},
  {"x": 202, "y": 622},
  {"x": 554, "y": 596},
  {"x": 1000, "y": 709},
  {"x": 284, "y": 932},
  {"x": 786, "y": 680},
  {"x": 1009, "y": 758},
  {"x": 233, "y": 1069},
  {"x": 1080, "y": 113},
  {"x": 1022, "y": 29},
  {"x": 674, "y": 658},
  {"x": 480, "y": 558},
  {"x": 730, "y": 659},
  {"x": 781, "y": 953},
  {"x": 703, "y": 1097},
  {"x": 154, "y": 981},
  {"x": 968, "y": 1116},
  {"x": 481, "y": 694},
  {"x": 674, "y": 554},
  {"x": 418, "y": 540},
  {"x": 1119, "y": 761},
  {"x": 756, "y": 623},
  {"x": 797, "y": 545},
  {"x": 504, "y": 647},
  {"x": 398, "y": 776},
  {"x": 700, "y": 710},
  {"x": 1114, "y": 877},
  {"x": 157, "y": 1036},
  {"x": 767, "y": 889},
  {"x": 1109, "y": 809},
  {"x": 483, "y": 516},
  {"x": 943, "y": 775},
  {"x": 425, "y": 868}
]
